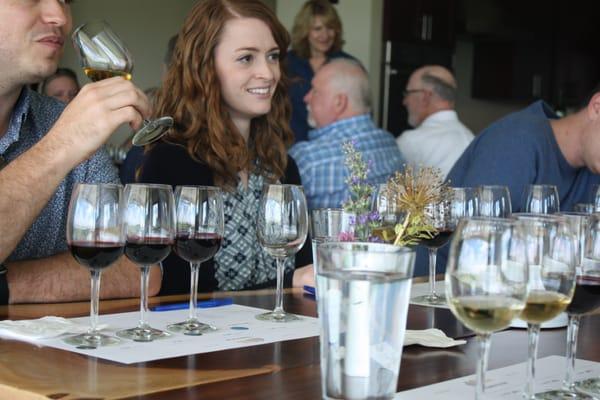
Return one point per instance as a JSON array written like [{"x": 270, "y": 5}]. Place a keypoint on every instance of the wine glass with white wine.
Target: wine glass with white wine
[
  {"x": 486, "y": 280},
  {"x": 104, "y": 55}
]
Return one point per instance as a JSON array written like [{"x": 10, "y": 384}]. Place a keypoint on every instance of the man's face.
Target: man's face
[
  {"x": 320, "y": 100},
  {"x": 414, "y": 100},
  {"x": 32, "y": 35}
]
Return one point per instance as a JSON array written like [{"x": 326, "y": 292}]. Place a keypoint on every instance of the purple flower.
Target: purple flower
[
  {"x": 352, "y": 220},
  {"x": 355, "y": 180},
  {"x": 374, "y": 216},
  {"x": 375, "y": 239},
  {"x": 363, "y": 218}
]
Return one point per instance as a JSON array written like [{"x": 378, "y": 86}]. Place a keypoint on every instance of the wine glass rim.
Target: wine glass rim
[
  {"x": 479, "y": 218},
  {"x": 150, "y": 185},
  {"x": 373, "y": 247},
  {"x": 207, "y": 187},
  {"x": 493, "y": 186},
  {"x": 88, "y": 23},
  {"x": 108, "y": 185},
  {"x": 282, "y": 184}
]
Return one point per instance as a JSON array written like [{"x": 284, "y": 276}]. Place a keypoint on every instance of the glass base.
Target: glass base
[
  {"x": 191, "y": 327},
  {"x": 434, "y": 300},
  {"x": 91, "y": 340},
  {"x": 277, "y": 316},
  {"x": 591, "y": 387},
  {"x": 562, "y": 394},
  {"x": 143, "y": 334}
]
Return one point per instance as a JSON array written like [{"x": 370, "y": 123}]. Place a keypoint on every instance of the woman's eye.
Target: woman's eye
[
  {"x": 245, "y": 59},
  {"x": 273, "y": 57}
]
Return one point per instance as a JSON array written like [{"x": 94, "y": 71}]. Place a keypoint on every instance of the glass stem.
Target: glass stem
[
  {"x": 533, "y": 334},
  {"x": 94, "y": 304},
  {"x": 195, "y": 268},
  {"x": 432, "y": 261},
  {"x": 572, "y": 332},
  {"x": 144, "y": 295},
  {"x": 279, "y": 293},
  {"x": 483, "y": 342}
]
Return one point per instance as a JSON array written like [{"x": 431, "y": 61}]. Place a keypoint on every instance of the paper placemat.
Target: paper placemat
[
  {"x": 247, "y": 331},
  {"x": 421, "y": 289},
  {"x": 505, "y": 383}
]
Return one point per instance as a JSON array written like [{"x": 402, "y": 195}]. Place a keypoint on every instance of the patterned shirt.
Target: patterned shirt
[
  {"x": 31, "y": 119},
  {"x": 321, "y": 159},
  {"x": 241, "y": 262}
]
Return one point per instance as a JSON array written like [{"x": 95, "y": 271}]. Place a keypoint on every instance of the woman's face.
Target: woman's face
[
  {"x": 247, "y": 65},
  {"x": 320, "y": 37}
]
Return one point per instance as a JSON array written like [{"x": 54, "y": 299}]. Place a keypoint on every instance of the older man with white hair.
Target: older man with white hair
[
  {"x": 339, "y": 109},
  {"x": 438, "y": 137}
]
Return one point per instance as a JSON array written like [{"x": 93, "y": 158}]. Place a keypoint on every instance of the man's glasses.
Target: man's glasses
[{"x": 411, "y": 91}]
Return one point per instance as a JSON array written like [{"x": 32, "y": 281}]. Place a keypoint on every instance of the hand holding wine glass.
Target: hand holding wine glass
[
  {"x": 104, "y": 55},
  {"x": 199, "y": 232},
  {"x": 96, "y": 240},
  {"x": 486, "y": 280},
  {"x": 149, "y": 220},
  {"x": 282, "y": 230}
]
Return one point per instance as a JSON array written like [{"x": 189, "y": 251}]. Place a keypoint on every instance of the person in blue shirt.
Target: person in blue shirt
[
  {"x": 317, "y": 37},
  {"x": 45, "y": 149},
  {"x": 339, "y": 104},
  {"x": 534, "y": 146}
]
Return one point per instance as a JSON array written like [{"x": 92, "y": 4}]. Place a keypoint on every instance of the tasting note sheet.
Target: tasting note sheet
[{"x": 236, "y": 327}]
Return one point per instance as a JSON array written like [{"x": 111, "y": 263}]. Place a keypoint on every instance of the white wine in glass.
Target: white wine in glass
[
  {"x": 103, "y": 55},
  {"x": 486, "y": 280}
]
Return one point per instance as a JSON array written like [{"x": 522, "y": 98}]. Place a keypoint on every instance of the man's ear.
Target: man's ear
[
  {"x": 340, "y": 103},
  {"x": 593, "y": 107}
]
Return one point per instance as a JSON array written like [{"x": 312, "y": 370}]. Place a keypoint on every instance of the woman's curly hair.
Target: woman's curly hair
[{"x": 191, "y": 94}]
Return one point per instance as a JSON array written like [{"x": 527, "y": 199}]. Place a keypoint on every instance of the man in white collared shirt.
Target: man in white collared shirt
[{"x": 439, "y": 138}]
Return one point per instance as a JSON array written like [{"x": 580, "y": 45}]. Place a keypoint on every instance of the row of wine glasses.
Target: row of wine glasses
[
  {"x": 529, "y": 266},
  {"x": 146, "y": 221}
]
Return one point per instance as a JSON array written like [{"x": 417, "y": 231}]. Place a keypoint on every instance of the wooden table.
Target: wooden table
[{"x": 285, "y": 370}]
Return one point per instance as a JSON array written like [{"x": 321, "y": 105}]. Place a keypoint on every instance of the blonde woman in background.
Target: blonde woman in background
[{"x": 317, "y": 37}]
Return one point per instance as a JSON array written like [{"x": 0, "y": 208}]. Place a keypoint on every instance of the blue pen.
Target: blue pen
[
  {"x": 310, "y": 290},
  {"x": 201, "y": 304}
]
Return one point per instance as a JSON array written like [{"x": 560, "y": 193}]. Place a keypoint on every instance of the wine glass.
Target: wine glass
[
  {"x": 586, "y": 208},
  {"x": 104, "y": 55},
  {"x": 444, "y": 216},
  {"x": 541, "y": 199},
  {"x": 386, "y": 206},
  {"x": 96, "y": 240},
  {"x": 149, "y": 231},
  {"x": 282, "y": 230},
  {"x": 494, "y": 201},
  {"x": 199, "y": 232},
  {"x": 552, "y": 257},
  {"x": 585, "y": 299},
  {"x": 486, "y": 280}
]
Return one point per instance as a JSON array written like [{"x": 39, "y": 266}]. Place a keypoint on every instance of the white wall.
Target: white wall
[{"x": 361, "y": 21}]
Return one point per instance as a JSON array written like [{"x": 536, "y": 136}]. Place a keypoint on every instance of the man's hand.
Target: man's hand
[{"x": 95, "y": 113}]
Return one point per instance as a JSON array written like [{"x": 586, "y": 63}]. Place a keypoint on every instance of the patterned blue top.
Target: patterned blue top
[
  {"x": 321, "y": 159},
  {"x": 31, "y": 119}
]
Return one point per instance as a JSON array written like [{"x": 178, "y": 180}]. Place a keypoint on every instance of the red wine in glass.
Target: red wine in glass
[
  {"x": 147, "y": 251},
  {"x": 198, "y": 247},
  {"x": 96, "y": 255},
  {"x": 587, "y": 295},
  {"x": 439, "y": 240}
]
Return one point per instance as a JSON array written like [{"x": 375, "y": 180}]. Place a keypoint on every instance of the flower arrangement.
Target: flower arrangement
[
  {"x": 362, "y": 219},
  {"x": 414, "y": 192}
]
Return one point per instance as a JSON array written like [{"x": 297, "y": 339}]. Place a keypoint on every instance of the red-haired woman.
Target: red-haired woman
[{"x": 225, "y": 90}]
